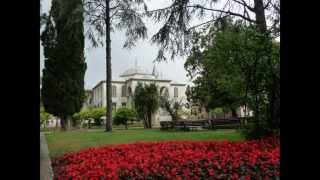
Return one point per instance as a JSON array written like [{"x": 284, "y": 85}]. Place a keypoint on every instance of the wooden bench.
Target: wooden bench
[
  {"x": 224, "y": 121},
  {"x": 196, "y": 125},
  {"x": 166, "y": 125},
  {"x": 185, "y": 125}
]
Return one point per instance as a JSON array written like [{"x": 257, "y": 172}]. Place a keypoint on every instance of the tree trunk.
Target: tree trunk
[
  {"x": 275, "y": 105},
  {"x": 57, "y": 123},
  {"x": 63, "y": 123},
  {"x": 126, "y": 125},
  {"x": 234, "y": 112},
  {"x": 260, "y": 16},
  {"x": 146, "y": 121},
  {"x": 108, "y": 70},
  {"x": 69, "y": 122},
  {"x": 150, "y": 120}
]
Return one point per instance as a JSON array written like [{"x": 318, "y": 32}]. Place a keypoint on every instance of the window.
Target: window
[
  {"x": 114, "y": 91},
  {"x": 123, "y": 93},
  {"x": 129, "y": 91},
  {"x": 164, "y": 91},
  {"x": 175, "y": 92},
  {"x": 124, "y": 104}
]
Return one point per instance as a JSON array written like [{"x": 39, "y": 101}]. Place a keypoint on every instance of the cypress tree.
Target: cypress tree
[{"x": 63, "y": 76}]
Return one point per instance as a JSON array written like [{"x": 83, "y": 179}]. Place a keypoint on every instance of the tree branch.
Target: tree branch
[
  {"x": 161, "y": 9},
  {"x": 212, "y": 20},
  {"x": 275, "y": 7},
  {"x": 243, "y": 3},
  {"x": 222, "y": 11},
  {"x": 267, "y": 5}
]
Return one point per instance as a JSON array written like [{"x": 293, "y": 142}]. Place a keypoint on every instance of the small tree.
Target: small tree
[
  {"x": 96, "y": 114},
  {"x": 171, "y": 106},
  {"x": 146, "y": 102},
  {"x": 123, "y": 115}
]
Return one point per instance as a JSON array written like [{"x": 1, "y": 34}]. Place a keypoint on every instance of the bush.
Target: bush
[
  {"x": 123, "y": 115},
  {"x": 218, "y": 112},
  {"x": 91, "y": 113},
  {"x": 44, "y": 116},
  {"x": 96, "y": 114},
  {"x": 252, "y": 130}
]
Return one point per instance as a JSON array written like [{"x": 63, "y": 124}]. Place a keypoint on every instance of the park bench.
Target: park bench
[
  {"x": 185, "y": 125},
  {"x": 166, "y": 125},
  {"x": 196, "y": 125},
  {"x": 222, "y": 122}
]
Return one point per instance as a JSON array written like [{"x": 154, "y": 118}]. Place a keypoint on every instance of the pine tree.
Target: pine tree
[
  {"x": 63, "y": 76},
  {"x": 105, "y": 16}
]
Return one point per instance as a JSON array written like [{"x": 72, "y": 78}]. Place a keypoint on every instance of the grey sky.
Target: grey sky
[{"x": 123, "y": 59}]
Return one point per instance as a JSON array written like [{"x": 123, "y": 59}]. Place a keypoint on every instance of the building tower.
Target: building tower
[{"x": 155, "y": 72}]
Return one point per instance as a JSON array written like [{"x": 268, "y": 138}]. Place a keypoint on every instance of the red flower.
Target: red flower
[{"x": 173, "y": 160}]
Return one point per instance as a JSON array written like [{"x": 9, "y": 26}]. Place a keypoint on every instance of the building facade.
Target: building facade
[{"x": 124, "y": 87}]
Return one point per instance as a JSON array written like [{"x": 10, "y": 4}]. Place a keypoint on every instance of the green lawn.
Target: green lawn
[{"x": 62, "y": 142}]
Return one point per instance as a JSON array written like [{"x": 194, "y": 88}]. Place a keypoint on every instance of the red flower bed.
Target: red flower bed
[{"x": 257, "y": 159}]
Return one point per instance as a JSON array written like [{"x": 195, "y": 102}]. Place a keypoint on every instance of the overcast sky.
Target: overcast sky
[{"x": 123, "y": 59}]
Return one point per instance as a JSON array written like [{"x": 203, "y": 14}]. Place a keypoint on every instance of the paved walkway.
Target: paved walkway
[{"x": 45, "y": 163}]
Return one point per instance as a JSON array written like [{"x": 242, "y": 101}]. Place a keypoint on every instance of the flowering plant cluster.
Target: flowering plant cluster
[{"x": 257, "y": 159}]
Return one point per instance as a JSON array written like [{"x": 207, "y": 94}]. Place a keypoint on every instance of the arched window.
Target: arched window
[
  {"x": 114, "y": 91},
  {"x": 129, "y": 91},
  {"x": 164, "y": 91},
  {"x": 176, "y": 92},
  {"x": 123, "y": 91}
]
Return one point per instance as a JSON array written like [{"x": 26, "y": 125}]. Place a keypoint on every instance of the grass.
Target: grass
[{"x": 62, "y": 142}]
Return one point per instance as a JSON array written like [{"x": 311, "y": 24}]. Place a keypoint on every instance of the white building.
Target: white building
[{"x": 123, "y": 89}]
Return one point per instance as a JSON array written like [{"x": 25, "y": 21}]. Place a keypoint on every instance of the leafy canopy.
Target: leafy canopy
[{"x": 123, "y": 115}]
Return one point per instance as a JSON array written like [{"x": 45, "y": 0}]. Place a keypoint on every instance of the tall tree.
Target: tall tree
[
  {"x": 103, "y": 16},
  {"x": 224, "y": 70},
  {"x": 63, "y": 76},
  {"x": 177, "y": 33}
]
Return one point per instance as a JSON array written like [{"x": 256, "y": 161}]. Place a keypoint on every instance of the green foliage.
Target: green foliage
[
  {"x": 219, "y": 81},
  {"x": 96, "y": 114},
  {"x": 218, "y": 112},
  {"x": 126, "y": 17},
  {"x": 123, "y": 115},
  {"x": 253, "y": 130},
  {"x": 235, "y": 65},
  {"x": 146, "y": 102},
  {"x": 44, "y": 116},
  {"x": 63, "y": 76},
  {"x": 178, "y": 31},
  {"x": 171, "y": 106},
  {"x": 90, "y": 113}
]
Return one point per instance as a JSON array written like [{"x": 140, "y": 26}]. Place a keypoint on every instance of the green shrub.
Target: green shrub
[
  {"x": 44, "y": 116},
  {"x": 96, "y": 114},
  {"x": 253, "y": 130},
  {"x": 123, "y": 115},
  {"x": 218, "y": 112},
  {"x": 90, "y": 113}
]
